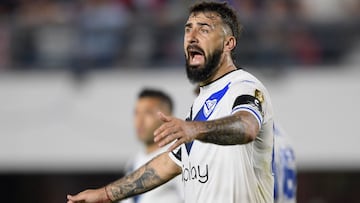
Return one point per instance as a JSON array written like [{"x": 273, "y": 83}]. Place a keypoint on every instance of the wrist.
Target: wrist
[
  {"x": 201, "y": 130},
  {"x": 107, "y": 195}
]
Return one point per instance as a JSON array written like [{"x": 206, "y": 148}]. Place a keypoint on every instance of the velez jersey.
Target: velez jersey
[
  {"x": 284, "y": 167},
  {"x": 229, "y": 174}
]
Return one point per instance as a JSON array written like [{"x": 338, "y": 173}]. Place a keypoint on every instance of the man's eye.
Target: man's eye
[{"x": 203, "y": 30}]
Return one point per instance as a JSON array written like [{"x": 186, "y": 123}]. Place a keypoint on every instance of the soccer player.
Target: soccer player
[
  {"x": 223, "y": 150},
  {"x": 149, "y": 102},
  {"x": 284, "y": 168}
]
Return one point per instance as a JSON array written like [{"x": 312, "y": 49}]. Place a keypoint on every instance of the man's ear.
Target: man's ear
[{"x": 229, "y": 43}]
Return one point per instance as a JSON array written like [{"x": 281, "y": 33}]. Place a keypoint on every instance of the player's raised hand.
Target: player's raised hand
[
  {"x": 174, "y": 129},
  {"x": 89, "y": 196}
]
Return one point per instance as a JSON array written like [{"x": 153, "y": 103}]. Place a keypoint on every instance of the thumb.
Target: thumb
[
  {"x": 69, "y": 197},
  {"x": 163, "y": 117},
  {"x": 73, "y": 198}
]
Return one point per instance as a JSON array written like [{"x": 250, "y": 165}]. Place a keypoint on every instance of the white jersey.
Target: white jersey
[
  {"x": 171, "y": 191},
  {"x": 229, "y": 174},
  {"x": 284, "y": 168}
]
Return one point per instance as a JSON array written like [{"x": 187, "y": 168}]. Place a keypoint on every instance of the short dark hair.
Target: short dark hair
[
  {"x": 158, "y": 94},
  {"x": 227, "y": 14}
]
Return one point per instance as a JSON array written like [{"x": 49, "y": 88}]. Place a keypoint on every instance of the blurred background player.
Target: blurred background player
[
  {"x": 149, "y": 102},
  {"x": 284, "y": 168}
]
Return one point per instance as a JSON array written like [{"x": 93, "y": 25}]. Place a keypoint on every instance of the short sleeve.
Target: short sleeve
[
  {"x": 175, "y": 155},
  {"x": 248, "y": 97}
]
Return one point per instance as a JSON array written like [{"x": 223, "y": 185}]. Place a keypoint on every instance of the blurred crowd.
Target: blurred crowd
[{"x": 81, "y": 35}]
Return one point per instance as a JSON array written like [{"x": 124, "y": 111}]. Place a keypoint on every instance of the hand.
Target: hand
[
  {"x": 174, "y": 129},
  {"x": 89, "y": 196}
]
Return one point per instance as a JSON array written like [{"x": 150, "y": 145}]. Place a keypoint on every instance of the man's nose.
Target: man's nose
[{"x": 191, "y": 37}]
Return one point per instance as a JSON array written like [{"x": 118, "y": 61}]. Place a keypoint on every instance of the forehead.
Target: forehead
[
  {"x": 206, "y": 16},
  {"x": 149, "y": 100}
]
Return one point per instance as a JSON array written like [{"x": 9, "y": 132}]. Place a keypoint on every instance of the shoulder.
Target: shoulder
[
  {"x": 243, "y": 77},
  {"x": 242, "y": 82}
]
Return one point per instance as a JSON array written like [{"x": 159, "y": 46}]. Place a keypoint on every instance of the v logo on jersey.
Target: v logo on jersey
[{"x": 207, "y": 109}]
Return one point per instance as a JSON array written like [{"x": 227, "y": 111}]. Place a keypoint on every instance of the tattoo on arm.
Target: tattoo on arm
[
  {"x": 140, "y": 181},
  {"x": 230, "y": 130}
]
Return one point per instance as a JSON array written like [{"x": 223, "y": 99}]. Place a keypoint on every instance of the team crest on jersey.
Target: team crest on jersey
[
  {"x": 259, "y": 95},
  {"x": 209, "y": 107}
]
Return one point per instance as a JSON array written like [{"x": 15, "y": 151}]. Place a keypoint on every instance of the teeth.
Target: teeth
[{"x": 193, "y": 53}]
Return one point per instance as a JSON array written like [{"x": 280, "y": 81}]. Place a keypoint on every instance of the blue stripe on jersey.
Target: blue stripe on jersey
[
  {"x": 136, "y": 198},
  {"x": 207, "y": 110},
  {"x": 275, "y": 175},
  {"x": 250, "y": 109},
  {"x": 273, "y": 166}
]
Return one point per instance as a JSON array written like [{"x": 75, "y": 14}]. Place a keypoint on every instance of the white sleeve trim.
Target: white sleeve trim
[
  {"x": 173, "y": 157},
  {"x": 251, "y": 110}
]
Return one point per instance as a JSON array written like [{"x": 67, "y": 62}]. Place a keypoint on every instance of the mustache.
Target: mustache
[{"x": 195, "y": 48}]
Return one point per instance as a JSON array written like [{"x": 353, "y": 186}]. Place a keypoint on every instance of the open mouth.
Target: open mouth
[{"x": 196, "y": 55}]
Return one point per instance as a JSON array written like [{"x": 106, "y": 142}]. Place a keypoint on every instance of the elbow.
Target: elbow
[
  {"x": 251, "y": 132},
  {"x": 251, "y": 135},
  {"x": 249, "y": 125}
]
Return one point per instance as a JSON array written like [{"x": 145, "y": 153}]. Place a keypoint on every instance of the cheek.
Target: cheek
[
  {"x": 137, "y": 121},
  {"x": 151, "y": 122},
  {"x": 214, "y": 47},
  {"x": 216, "y": 40},
  {"x": 185, "y": 52}
]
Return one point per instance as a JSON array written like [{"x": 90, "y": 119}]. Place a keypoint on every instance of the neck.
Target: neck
[
  {"x": 225, "y": 66},
  {"x": 151, "y": 148}
]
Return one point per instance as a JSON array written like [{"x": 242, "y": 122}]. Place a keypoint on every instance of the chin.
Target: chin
[{"x": 196, "y": 67}]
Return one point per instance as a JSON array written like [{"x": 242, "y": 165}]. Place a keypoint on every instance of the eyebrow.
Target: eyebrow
[{"x": 200, "y": 24}]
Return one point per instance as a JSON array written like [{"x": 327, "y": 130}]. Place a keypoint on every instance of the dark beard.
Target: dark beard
[{"x": 200, "y": 74}]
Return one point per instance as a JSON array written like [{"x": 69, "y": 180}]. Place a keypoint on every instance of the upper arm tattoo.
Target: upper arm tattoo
[
  {"x": 231, "y": 130},
  {"x": 226, "y": 131}
]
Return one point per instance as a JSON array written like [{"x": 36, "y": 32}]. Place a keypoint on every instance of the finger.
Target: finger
[
  {"x": 74, "y": 198},
  {"x": 175, "y": 145},
  {"x": 158, "y": 131},
  {"x": 159, "y": 135},
  {"x": 163, "y": 117},
  {"x": 69, "y": 197},
  {"x": 170, "y": 138},
  {"x": 163, "y": 131}
]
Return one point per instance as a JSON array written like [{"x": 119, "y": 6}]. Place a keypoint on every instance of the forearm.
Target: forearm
[
  {"x": 239, "y": 128},
  {"x": 143, "y": 179}
]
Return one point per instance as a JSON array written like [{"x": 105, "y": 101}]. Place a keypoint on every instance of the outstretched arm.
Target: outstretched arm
[
  {"x": 239, "y": 128},
  {"x": 155, "y": 173}
]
